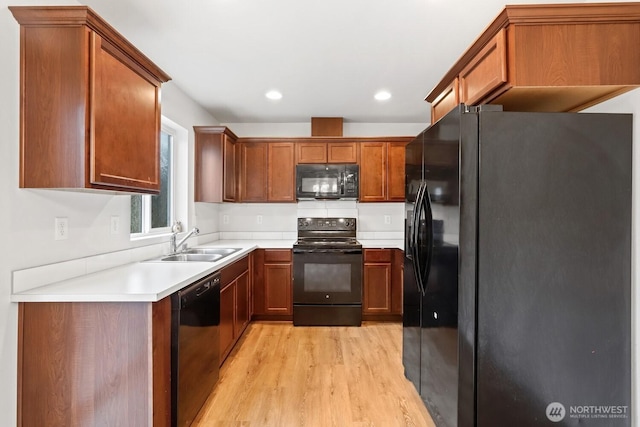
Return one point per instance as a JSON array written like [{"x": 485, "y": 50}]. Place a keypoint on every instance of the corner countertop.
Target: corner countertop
[{"x": 153, "y": 280}]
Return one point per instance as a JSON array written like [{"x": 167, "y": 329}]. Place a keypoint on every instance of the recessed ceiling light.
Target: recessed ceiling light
[
  {"x": 273, "y": 94},
  {"x": 383, "y": 95}
]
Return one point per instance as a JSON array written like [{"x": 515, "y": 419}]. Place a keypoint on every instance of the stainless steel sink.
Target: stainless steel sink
[
  {"x": 192, "y": 257},
  {"x": 212, "y": 251},
  {"x": 199, "y": 255}
]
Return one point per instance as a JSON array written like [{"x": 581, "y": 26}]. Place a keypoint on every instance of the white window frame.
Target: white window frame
[{"x": 147, "y": 231}]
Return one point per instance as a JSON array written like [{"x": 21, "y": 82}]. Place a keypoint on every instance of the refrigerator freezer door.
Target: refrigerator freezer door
[
  {"x": 411, "y": 301},
  {"x": 438, "y": 231}
]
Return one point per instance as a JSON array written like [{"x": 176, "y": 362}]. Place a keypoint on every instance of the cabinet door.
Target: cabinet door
[
  {"x": 227, "y": 329},
  {"x": 311, "y": 152},
  {"x": 373, "y": 171},
  {"x": 342, "y": 152},
  {"x": 242, "y": 304},
  {"x": 208, "y": 164},
  {"x": 229, "y": 169},
  {"x": 486, "y": 72},
  {"x": 277, "y": 289},
  {"x": 377, "y": 288},
  {"x": 281, "y": 172},
  {"x": 397, "y": 278},
  {"x": 395, "y": 171},
  {"x": 125, "y": 118},
  {"x": 448, "y": 99},
  {"x": 253, "y": 182}
]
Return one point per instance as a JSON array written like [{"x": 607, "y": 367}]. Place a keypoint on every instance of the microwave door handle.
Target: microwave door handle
[{"x": 342, "y": 180}]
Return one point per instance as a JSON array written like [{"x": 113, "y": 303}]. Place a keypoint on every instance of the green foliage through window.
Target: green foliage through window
[{"x": 150, "y": 213}]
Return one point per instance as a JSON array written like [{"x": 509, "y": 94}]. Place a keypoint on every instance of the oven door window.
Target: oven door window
[{"x": 327, "y": 278}]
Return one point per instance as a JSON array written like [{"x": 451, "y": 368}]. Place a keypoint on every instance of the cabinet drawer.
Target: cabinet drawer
[
  {"x": 486, "y": 72},
  {"x": 445, "y": 102},
  {"x": 231, "y": 272},
  {"x": 277, "y": 255},
  {"x": 377, "y": 255}
]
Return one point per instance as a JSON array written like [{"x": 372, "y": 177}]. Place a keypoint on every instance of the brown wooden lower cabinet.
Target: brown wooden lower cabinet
[
  {"x": 382, "y": 284},
  {"x": 234, "y": 304},
  {"x": 273, "y": 292},
  {"x": 227, "y": 303},
  {"x": 93, "y": 363}
]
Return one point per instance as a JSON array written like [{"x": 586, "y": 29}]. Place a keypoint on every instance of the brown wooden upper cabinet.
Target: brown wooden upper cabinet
[
  {"x": 90, "y": 110},
  {"x": 558, "y": 57},
  {"x": 215, "y": 164},
  {"x": 267, "y": 171},
  {"x": 382, "y": 170},
  {"x": 326, "y": 152}
]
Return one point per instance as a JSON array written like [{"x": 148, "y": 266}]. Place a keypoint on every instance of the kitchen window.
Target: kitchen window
[{"x": 154, "y": 214}]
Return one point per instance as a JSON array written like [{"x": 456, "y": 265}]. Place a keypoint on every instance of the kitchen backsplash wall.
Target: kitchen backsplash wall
[
  {"x": 381, "y": 221},
  {"x": 278, "y": 220},
  {"x": 257, "y": 221}
]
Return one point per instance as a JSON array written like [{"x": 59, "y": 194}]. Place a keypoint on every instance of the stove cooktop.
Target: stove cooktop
[{"x": 327, "y": 233}]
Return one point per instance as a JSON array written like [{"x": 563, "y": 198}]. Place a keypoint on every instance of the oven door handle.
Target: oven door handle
[{"x": 327, "y": 251}]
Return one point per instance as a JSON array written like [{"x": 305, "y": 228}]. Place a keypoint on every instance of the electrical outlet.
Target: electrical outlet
[
  {"x": 61, "y": 229},
  {"x": 387, "y": 219},
  {"x": 225, "y": 219},
  {"x": 259, "y": 219},
  {"x": 115, "y": 224}
]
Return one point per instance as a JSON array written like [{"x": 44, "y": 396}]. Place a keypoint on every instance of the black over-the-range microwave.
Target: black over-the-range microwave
[{"x": 330, "y": 181}]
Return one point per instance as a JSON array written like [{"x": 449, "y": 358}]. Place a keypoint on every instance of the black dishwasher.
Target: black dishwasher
[{"x": 195, "y": 347}]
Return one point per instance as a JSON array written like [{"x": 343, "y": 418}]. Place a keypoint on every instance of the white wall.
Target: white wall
[
  {"x": 630, "y": 103},
  {"x": 28, "y": 215},
  {"x": 304, "y": 129}
]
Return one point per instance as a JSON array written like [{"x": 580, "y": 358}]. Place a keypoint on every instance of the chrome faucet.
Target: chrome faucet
[{"x": 177, "y": 227}]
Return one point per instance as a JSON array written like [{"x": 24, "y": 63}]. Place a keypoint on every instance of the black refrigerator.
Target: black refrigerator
[{"x": 517, "y": 279}]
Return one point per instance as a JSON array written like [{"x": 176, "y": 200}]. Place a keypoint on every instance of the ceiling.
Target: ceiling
[{"x": 327, "y": 57}]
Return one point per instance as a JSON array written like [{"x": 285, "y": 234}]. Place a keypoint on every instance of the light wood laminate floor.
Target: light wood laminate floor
[{"x": 280, "y": 375}]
